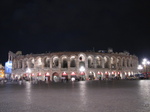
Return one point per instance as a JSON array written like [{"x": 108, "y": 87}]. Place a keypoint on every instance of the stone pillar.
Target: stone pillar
[
  {"x": 94, "y": 63},
  {"x": 103, "y": 63},
  {"x": 68, "y": 65},
  {"x": 59, "y": 62},
  {"x": 77, "y": 63},
  {"x": 42, "y": 66},
  {"x": 51, "y": 63}
]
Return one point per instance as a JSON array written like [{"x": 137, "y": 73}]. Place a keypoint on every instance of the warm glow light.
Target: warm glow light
[
  {"x": 28, "y": 70},
  {"x": 72, "y": 73},
  {"x": 82, "y": 69},
  {"x": 82, "y": 73},
  {"x": 145, "y": 62},
  {"x": 47, "y": 74},
  {"x": 72, "y": 56},
  {"x": 39, "y": 74},
  {"x": 64, "y": 73},
  {"x": 140, "y": 67}
]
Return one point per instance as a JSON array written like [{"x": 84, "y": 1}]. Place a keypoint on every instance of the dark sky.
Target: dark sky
[{"x": 39, "y": 26}]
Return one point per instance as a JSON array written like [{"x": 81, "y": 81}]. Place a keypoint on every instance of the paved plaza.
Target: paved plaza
[{"x": 82, "y": 96}]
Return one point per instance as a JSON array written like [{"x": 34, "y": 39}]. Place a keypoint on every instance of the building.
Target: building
[
  {"x": 2, "y": 74},
  {"x": 90, "y": 65}
]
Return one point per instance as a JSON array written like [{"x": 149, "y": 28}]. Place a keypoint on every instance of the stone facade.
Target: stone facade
[{"x": 86, "y": 65}]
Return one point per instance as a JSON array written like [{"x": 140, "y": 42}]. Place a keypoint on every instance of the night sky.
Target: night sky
[{"x": 39, "y": 26}]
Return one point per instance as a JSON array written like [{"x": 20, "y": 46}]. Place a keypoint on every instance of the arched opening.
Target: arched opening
[
  {"x": 72, "y": 62},
  {"x": 38, "y": 62},
  {"x": 118, "y": 62},
  {"x": 106, "y": 62},
  {"x": 20, "y": 64},
  {"x": 123, "y": 62},
  {"x": 16, "y": 64},
  {"x": 91, "y": 76},
  {"x": 64, "y": 63},
  {"x": 90, "y": 62},
  {"x": 113, "y": 63},
  {"x": 55, "y": 62},
  {"x": 98, "y": 62},
  {"x": 46, "y": 62},
  {"x": 128, "y": 63},
  {"x": 31, "y": 63},
  {"x": 131, "y": 63},
  {"x": 55, "y": 77},
  {"x": 64, "y": 77},
  {"x": 25, "y": 64}
]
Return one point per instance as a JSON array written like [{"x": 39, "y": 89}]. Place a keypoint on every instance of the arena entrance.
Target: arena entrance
[
  {"x": 91, "y": 76},
  {"x": 73, "y": 76},
  {"x": 82, "y": 76},
  {"x": 55, "y": 77},
  {"x": 47, "y": 77},
  {"x": 64, "y": 77},
  {"x": 99, "y": 75}
]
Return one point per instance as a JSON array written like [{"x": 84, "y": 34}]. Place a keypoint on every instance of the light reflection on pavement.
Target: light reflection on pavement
[{"x": 82, "y": 96}]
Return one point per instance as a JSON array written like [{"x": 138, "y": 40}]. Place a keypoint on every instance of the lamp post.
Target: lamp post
[
  {"x": 28, "y": 70},
  {"x": 82, "y": 69},
  {"x": 145, "y": 63},
  {"x": 140, "y": 67}
]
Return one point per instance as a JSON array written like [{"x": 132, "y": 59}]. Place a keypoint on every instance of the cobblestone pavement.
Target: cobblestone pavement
[{"x": 82, "y": 96}]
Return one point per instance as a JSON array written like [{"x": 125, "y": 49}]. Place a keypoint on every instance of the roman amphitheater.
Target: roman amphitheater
[{"x": 55, "y": 66}]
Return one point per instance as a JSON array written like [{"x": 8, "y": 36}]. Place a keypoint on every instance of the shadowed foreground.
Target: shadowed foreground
[{"x": 82, "y": 96}]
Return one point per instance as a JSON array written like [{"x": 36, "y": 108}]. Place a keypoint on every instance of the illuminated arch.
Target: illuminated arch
[
  {"x": 90, "y": 61},
  {"x": 106, "y": 61},
  {"x": 73, "y": 61},
  {"x": 55, "y": 61},
  {"x": 113, "y": 62},
  {"x": 46, "y": 62},
  {"x": 64, "y": 61},
  {"x": 99, "y": 61}
]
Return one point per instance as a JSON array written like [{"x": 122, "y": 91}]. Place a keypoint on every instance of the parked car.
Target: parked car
[
  {"x": 131, "y": 78},
  {"x": 27, "y": 78},
  {"x": 140, "y": 76}
]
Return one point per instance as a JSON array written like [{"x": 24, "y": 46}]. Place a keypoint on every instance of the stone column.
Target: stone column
[
  {"x": 59, "y": 62},
  {"x": 42, "y": 60},
  {"x": 94, "y": 63},
  {"x": 51, "y": 63},
  {"x": 68, "y": 65}
]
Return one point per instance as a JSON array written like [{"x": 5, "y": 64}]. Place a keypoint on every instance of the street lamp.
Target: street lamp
[
  {"x": 145, "y": 63},
  {"x": 82, "y": 69},
  {"x": 28, "y": 70},
  {"x": 140, "y": 67}
]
